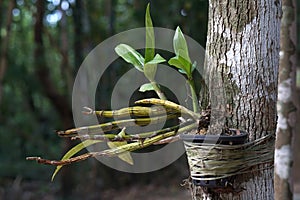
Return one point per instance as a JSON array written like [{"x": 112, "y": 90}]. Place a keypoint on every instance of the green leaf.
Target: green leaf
[
  {"x": 194, "y": 66},
  {"x": 180, "y": 46},
  {"x": 146, "y": 87},
  {"x": 151, "y": 66},
  {"x": 122, "y": 133},
  {"x": 157, "y": 59},
  {"x": 123, "y": 156},
  {"x": 150, "y": 71},
  {"x": 73, "y": 151},
  {"x": 150, "y": 38},
  {"x": 183, "y": 65},
  {"x": 176, "y": 63},
  {"x": 182, "y": 59},
  {"x": 130, "y": 55},
  {"x": 181, "y": 71}
]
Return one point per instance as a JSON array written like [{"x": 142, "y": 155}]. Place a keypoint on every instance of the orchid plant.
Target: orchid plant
[{"x": 122, "y": 143}]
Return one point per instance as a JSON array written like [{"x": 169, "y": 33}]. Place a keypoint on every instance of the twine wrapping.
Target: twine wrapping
[{"x": 216, "y": 161}]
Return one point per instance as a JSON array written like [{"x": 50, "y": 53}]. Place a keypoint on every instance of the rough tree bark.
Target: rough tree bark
[
  {"x": 285, "y": 105},
  {"x": 242, "y": 65}
]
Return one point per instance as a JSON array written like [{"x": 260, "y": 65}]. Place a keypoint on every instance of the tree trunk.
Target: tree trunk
[
  {"x": 59, "y": 101},
  {"x": 242, "y": 65},
  {"x": 4, "y": 41},
  {"x": 285, "y": 105},
  {"x": 78, "y": 33},
  {"x": 66, "y": 69}
]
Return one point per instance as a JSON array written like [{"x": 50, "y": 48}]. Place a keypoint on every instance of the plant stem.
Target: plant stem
[
  {"x": 102, "y": 128},
  {"x": 147, "y": 142},
  {"x": 194, "y": 95},
  {"x": 171, "y": 105},
  {"x": 130, "y": 137},
  {"x": 137, "y": 111},
  {"x": 156, "y": 88},
  {"x": 118, "y": 150}
]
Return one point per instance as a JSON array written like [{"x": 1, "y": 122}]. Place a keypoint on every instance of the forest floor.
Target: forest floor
[
  {"x": 151, "y": 192},
  {"x": 35, "y": 190},
  {"x": 32, "y": 190}
]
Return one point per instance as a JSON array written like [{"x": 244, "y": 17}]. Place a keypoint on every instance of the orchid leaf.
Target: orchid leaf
[
  {"x": 182, "y": 59},
  {"x": 181, "y": 64},
  {"x": 180, "y": 46},
  {"x": 73, "y": 151},
  {"x": 146, "y": 87},
  {"x": 123, "y": 156},
  {"x": 194, "y": 65},
  {"x": 150, "y": 38},
  {"x": 151, "y": 66},
  {"x": 130, "y": 55},
  {"x": 157, "y": 59}
]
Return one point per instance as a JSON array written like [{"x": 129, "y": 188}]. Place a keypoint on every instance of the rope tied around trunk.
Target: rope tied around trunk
[{"x": 217, "y": 161}]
